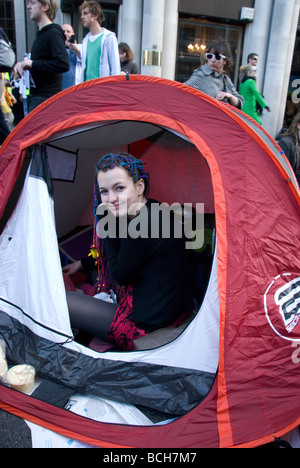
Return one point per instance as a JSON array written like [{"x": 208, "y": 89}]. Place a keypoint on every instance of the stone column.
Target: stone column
[
  {"x": 20, "y": 29},
  {"x": 130, "y": 26},
  {"x": 152, "y": 37},
  {"x": 280, "y": 53},
  {"x": 257, "y": 37},
  {"x": 170, "y": 40}
]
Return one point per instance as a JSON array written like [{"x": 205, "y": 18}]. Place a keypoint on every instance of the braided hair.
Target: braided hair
[{"x": 134, "y": 167}]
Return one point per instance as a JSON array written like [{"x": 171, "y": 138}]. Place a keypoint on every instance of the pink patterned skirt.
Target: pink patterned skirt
[{"x": 123, "y": 331}]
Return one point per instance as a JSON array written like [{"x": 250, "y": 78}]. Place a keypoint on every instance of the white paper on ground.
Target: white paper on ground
[{"x": 91, "y": 407}]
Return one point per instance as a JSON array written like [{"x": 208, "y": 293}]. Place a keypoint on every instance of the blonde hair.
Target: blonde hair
[
  {"x": 246, "y": 69},
  {"x": 53, "y": 7}
]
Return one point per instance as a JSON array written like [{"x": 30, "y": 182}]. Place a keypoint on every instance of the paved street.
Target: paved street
[{"x": 14, "y": 432}]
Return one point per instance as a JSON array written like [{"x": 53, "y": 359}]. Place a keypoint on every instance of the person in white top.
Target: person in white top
[{"x": 100, "y": 53}]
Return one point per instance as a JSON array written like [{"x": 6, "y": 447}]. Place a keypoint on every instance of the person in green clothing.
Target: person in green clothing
[
  {"x": 100, "y": 52},
  {"x": 254, "y": 102}
]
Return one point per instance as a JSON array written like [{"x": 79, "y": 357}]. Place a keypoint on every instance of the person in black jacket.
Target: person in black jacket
[
  {"x": 290, "y": 144},
  {"x": 49, "y": 58},
  {"x": 141, "y": 254}
]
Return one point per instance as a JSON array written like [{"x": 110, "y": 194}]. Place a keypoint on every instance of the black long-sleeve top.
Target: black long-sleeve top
[
  {"x": 159, "y": 267},
  {"x": 50, "y": 60}
]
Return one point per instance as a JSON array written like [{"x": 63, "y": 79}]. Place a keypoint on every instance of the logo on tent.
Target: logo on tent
[{"x": 282, "y": 306}]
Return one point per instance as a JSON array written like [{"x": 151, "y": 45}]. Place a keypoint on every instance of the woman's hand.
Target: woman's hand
[
  {"x": 103, "y": 208},
  {"x": 231, "y": 98},
  {"x": 72, "y": 268}
]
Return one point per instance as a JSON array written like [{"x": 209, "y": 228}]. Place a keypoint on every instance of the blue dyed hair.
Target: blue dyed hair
[{"x": 134, "y": 167}]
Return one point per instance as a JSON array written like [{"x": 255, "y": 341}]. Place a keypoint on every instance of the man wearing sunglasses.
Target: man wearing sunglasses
[
  {"x": 252, "y": 59},
  {"x": 212, "y": 79}
]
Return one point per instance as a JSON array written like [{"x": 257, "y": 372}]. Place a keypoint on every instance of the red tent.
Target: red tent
[{"x": 197, "y": 149}]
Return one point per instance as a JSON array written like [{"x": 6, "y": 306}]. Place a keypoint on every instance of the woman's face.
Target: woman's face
[
  {"x": 216, "y": 65},
  {"x": 119, "y": 192},
  {"x": 252, "y": 71},
  {"x": 123, "y": 55}
]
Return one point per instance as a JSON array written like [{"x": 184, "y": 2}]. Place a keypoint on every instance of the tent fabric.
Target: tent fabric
[
  {"x": 250, "y": 310},
  {"x": 55, "y": 325},
  {"x": 184, "y": 166},
  {"x": 75, "y": 370}
]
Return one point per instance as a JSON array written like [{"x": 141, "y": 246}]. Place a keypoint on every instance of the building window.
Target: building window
[
  {"x": 7, "y": 19},
  {"x": 111, "y": 19},
  {"x": 194, "y": 36}
]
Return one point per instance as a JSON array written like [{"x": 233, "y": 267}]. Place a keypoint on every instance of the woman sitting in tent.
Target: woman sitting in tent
[
  {"x": 212, "y": 79},
  {"x": 152, "y": 275},
  {"x": 254, "y": 102}
]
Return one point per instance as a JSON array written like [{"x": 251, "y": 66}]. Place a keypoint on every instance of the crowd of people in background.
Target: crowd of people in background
[{"x": 57, "y": 62}]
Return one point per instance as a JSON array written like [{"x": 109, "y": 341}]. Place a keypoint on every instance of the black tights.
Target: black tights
[{"x": 91, "y": 315}]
